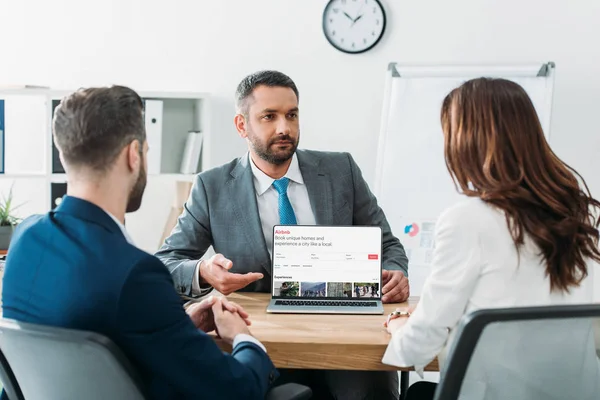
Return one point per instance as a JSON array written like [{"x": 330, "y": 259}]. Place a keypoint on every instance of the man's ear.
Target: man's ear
[
  {"x": 134, "y": 161},
  {"x": 240, "y": 124}
]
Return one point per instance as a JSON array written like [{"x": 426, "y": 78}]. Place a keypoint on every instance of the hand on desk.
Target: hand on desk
[
  {"x": 215, "y": 272},
  {"x": 229, "y": 323},
  {"x": 397, "y": 319},
  {"x": 203, "y": 314},
  {"x": 395, "y": 287}
]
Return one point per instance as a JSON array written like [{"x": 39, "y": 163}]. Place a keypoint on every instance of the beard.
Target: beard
[
  {"x": 270, "y": 152},
  {"x": 137, "y": 191}
]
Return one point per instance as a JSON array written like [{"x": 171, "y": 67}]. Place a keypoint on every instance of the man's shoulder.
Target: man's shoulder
[
  {"x": 33, "y": 223},
  {"x": 220, "y": 172},
  {"x": 87, "y": 239},
  {"x": 323, "y": 154},
  {"x": 335, "y": 159}
]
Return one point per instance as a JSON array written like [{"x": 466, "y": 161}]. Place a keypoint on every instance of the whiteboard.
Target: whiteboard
[{"x": 412, "y": 183}]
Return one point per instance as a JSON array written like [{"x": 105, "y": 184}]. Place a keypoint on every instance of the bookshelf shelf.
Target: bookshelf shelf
[{"x": 33, "y": 169}]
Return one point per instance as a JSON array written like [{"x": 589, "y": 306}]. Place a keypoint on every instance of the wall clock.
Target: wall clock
[{"x": 354, "y": 26}]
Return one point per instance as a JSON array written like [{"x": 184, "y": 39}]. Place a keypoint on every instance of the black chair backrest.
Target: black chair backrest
[
  {"x": 58, "y": 363},
  {"x": 9, "y": 382},
  {"x": 533, "y": 347}
]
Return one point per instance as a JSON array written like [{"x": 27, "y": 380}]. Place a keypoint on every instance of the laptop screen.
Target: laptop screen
[{"x": 336, "y": 262}]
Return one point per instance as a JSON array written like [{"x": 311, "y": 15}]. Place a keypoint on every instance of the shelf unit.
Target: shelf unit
[{"x": 33, "y": 167}]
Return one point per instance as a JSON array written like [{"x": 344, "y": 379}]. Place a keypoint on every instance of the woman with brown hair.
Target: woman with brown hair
[{"x": 527, "y": 235}]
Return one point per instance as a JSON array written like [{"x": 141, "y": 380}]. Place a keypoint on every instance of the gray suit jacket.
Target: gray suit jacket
[{"x": 222, "y": 211}]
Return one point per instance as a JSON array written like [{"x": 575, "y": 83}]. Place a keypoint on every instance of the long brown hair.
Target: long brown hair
[{"x": 495, "y": 149}]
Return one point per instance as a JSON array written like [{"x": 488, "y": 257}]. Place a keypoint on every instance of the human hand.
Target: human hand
[
  {"x": 228, "y": 324},
  {"x": 215, "y": 272},
  {"x": 202, "y": 315},
  {"x": 395, "y": 287},
  {"x": 398, "y": 318}
]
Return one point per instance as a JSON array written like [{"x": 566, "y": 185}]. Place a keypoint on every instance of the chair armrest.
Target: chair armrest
[{"x": 289, "y": 391}]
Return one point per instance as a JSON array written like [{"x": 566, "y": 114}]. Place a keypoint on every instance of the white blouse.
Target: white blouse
[{"x": 475, "y": 265}]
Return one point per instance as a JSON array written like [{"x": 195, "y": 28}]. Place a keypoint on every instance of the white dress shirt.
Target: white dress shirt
[
  {"x": 239, "y": 338},
  {"x": 268, "y": 199},
  {"x": 475, "y": 265}
]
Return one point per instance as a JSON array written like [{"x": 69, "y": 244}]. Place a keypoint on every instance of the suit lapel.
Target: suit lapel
[
  {"x": 317, "y": 185},
  {"x": 243, "y": 198}
]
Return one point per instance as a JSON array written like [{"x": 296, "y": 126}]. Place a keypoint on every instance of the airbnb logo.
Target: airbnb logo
[{"x": 280, "y": 232}]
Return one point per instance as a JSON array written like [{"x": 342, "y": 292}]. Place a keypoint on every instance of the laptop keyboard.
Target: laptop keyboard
[{"x": 325, "y": 303}]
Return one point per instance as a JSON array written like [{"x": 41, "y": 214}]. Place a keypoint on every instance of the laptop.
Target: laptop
[{"x": 326, "y": 269}]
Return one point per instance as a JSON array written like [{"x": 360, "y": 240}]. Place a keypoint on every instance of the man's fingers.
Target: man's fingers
[
  {"x": 238, "y": 281},
  {"x": 392, "y": 294},
  {"x": 393, "y": 282},
  {"x": 236, "y": 308},
  {"x": 403, "y": 281},
  {"x": 229, "y": 305},
  {"x": 206, "y": 303},
  {"x": 253, "y": 277},
  {"x": 229, "y": 282},
  {"x": 217, "y": 308},
  {"x": 401, "y": 296},
  {"x": 239, "y": 309},
  {"x": 405, "y": 293},
  {"x": 220, "y": 260},
  {"x": 385, "y": 275}
]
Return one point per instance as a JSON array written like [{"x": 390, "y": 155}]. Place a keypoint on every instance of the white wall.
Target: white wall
[{"x": 208, "y": 46}]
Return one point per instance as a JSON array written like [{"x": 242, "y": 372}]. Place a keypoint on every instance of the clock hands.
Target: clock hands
[
  {"x": 360, "y": 16},
  {"x": 357, "y": 18}
]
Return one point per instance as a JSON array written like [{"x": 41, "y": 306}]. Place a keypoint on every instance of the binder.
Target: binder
[
  {"x": 1, "y": 136},
  {"x": 153, "y": 119},
  {"x": 191, "y": 153}
]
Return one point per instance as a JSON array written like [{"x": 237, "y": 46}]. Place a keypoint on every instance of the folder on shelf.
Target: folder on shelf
[
  {"x": 191, "y": 153},
  {"x": 1, "y": 136},
  {"x": 153, "y": 118}
]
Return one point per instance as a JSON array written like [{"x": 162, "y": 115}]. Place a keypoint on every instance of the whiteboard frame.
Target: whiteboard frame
[{"x": 398, "y": 71}]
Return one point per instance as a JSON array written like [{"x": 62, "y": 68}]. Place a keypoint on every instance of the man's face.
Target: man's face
[
  {"x": 137, "y": 191},
  {"x": 272, "y": 123}
]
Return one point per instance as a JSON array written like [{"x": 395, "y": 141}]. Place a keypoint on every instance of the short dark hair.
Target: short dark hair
[
  {"x": 260, "y": 78},
  {"x": 91, "y": 126}
]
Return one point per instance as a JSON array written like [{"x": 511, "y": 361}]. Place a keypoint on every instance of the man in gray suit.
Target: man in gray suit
[{"x": 234, "y": 207}]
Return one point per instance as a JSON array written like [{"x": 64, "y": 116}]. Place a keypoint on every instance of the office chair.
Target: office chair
[
  {"x": 10, "y": 386},
  {"x": 59, "y": 363},
  {"x": 524, "y": 353}
]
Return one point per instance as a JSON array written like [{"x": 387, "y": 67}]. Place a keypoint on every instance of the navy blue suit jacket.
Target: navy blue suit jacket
[{"x": 74, "y": 268}]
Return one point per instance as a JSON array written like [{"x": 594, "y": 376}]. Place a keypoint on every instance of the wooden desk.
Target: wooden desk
[{"x": 312, "y": 341}]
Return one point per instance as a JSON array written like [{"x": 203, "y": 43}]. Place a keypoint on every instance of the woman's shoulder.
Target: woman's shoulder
[{"x": 471, "y": 212}]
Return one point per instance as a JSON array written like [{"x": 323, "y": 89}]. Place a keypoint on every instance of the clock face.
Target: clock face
[{"x": 353, "y": 26}]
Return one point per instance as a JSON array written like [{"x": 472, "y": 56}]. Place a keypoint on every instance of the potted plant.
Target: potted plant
[{"x": 8, "y": 220}]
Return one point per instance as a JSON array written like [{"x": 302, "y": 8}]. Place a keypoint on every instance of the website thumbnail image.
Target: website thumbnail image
[{"x": 326, "y": 289}]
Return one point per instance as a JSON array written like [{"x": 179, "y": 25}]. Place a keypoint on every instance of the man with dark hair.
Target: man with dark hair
[
  {"x": 234, "y": 207},
  {"x": 76, "y": 267}
]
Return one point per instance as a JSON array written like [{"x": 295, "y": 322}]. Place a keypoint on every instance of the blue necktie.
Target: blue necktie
[{"x": 286, "y": 212}]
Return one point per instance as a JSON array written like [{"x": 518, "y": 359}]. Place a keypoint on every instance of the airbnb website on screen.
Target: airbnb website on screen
[{"x": 327, "y": 261}]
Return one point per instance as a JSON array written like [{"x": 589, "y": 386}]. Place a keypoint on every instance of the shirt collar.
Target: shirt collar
[
  {"x": 262, "y": 181},
  {"x": 122, "y": 228}
]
